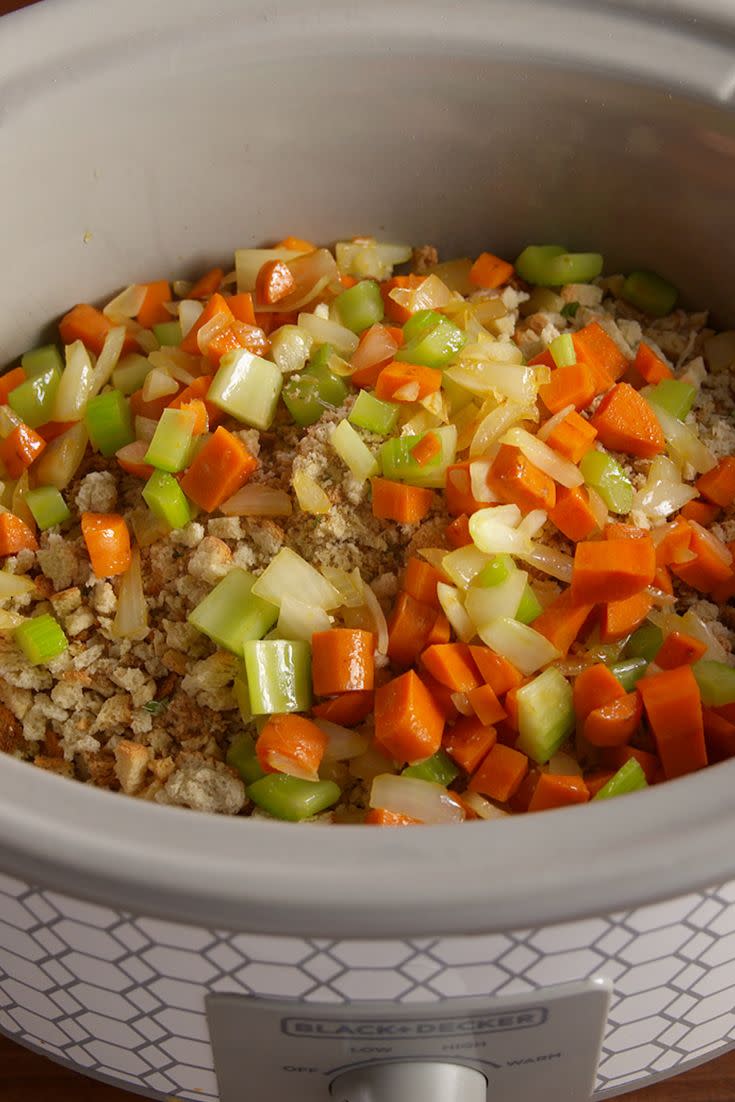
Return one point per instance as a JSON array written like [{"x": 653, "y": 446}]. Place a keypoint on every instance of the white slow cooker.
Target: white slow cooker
[{"x": 572, "y": 956}]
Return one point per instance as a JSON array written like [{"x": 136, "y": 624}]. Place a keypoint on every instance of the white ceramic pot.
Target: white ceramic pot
[{"x": 143, "y": 139}]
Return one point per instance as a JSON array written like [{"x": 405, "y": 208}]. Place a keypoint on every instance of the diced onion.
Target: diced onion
[
  {"x": 293, "y": 303},
  {"x": 455, "y": 274},
  {"x": 107, "y": 361},
  {"x": 370, "y": 764},
  {"x": 482, "y": 807},
  {"x": 343, "y": 744},
  {"x": 494, "y": 424},
  {"x": 75, "y": 384},
  {"x": 487, "y": 604},
  {"x": 145, "y": 338},
  {"x": 681, "y": 555},
  {"x": 148, "y": 528},
  {"x": 504, "y": 380},
  {"x": 370, "y": 259},
  {"x": 190, "y": 311},
  {"x": 289, "y": 574},
  {"x": 158, "y": 384},
  {"x": 18, "y": 501},
  {"x": 597, "y": 507},
  {"x": 695, "y": 625},
  {"x": 527, "y": 649},
  {"x": 297, "y": 620},
  {"x": 378, "y": 346},
  {"x": 422, "y": 800},
  {"x": 494, "y": 530},
  {"x": 248, "y": 263},
  {"x": 462, "y": 565},
  {"x": 532, "y": 523},
  {"x": 380, "y": 624},
  {"x": 545, "y": 458},
  {"x": 549, "y": 561},
  {"x": 548, "y": 426},
  {"x": 431, "y": 294},
  {"x": 256, "y": 500},
  {"x": 290, "y": 348},
  {"x": 716, "y": 546},
  {"x": 14, "y": 585},
  {"x": 462, "y": 704},
  {"x": 9, "y": 621},
  {"x": 434, "y": 556},
  {"x": 131, "y": 618},
  {"x": 564, "y": 765},
  {"x": 309, "y": 494},
  {"x": 683, "y": 444},
  {"x": 479, "y": 488},
  {"x": 664, "y": 492},
  {"x": 127, "y": 304},
  {"x": 145, "y": 428},
  {"x": 455, "y": 612},
  {"x": 325, "y": 331},
  {"x": 60, "y": 461}
]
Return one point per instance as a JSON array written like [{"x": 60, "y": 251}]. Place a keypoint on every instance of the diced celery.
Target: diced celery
[
  {"x": 109, "y": 422},
  {"x": 646, "y": 642},
  {"x": 130, "y": 373},
  {"x": 241, "y": 755},
  {"x": 431, "y": 339},
  {"x": 321, "y": 356},
  {"x": 41, "y": 639},
  {"x": 307, "y": 396},
  {"x": 716, "y": 682},
  {"x": 553, "y": 266},
  {"x": 232, "y": 614},
  {"x": 674, "y": 397},
  {"x": 373, "y": 414},
  {"x": 168, "y": 333},
  {"x": 562, "y": 350},
  {"x": 439, "y": 768},
  {"x": 279, "y": 675},
  {"x": 629, "y": 671},
  {"x": 353, "y": 451},
  {"x": 170, "y": 448},
  {"x": 242, "y": 695},
  {"x": 48, "y": 506},
  {"x": 33, "y": 400},
  {"x": 496, "y": 571},
  {"x": 247, "y": 387},
  {"x": 292, "y": 798},
  {"x": 38, "y": 360},
  {"x": 399, "y": 465},
  {"x": 629, "y": 778},
  {"x": 650, "y": 293},
  {"x": 606, "y": 476},
  {"x": 166, "y": 500},
  {"x": 360, "y": 306},
  {"x": 545, "y": 715},
  {"x": 530, "y": 606}
]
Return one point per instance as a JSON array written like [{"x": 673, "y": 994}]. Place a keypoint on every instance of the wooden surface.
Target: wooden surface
[{"x": 26, "y": 1077}]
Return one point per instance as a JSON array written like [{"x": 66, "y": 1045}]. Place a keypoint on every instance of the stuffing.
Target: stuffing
[
  {"x": 204, "y": 786},
  {"x": 131, "y": 765},
  {"x": 97, "y": 493}
]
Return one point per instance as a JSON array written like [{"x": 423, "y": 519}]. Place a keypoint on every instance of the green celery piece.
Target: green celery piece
[
  {"x": 562, "y": 350},
  {"x": 130, "y": 373},
  {"x": 439, "y": 768},
  {"x": 166, "y": 500},
  {"x": 545, "y": 715},
  {"x": 399, "y": 465},
  {"x": 279, "y": 675},
  {"x": 496, "y": 571},
  {"x": 650, "y": 293},
  {"x": 292, "y": 798},
  {"x": 569, "y": 310},
  {"x": 674, "y": 397},
  {"x": 41, "y": 639},
  {"x": 431, "y": 340},
  {"x": 242, "y": 695},
  {"x": 629, "y": 778},
  {"x": 646, "y": 642},
  {"x": 308, "y": 395},
  {"x": 247, "y": 387},
  {"x": 629, "y": 671},
  {"x": 552, "y": 266},
  {"x": 109, "y": 422},
  {"x": 360, "y": 306},
  {"x": 48, "y": 506},
  {"x": 38, "y": 360},
  {"x": 530, "y": 606},
  {"x": 170, "y": 448},
  {"x": 242, "y": 756},
  {"x": 373, "y": 414},
  {"x": 604, "y": 474},
  {"x": 716, "y": 682},
  {"x": 321, "y": 356},
  {"x": 232, "y": 614},
  {"x": 168, "y": 333},
  {"x": 33, "y": 400}
]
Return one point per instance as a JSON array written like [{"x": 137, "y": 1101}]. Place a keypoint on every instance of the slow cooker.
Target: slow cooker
[{"x": 180, "y": 954}]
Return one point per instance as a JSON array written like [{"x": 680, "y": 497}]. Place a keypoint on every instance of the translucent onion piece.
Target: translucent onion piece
[
  {"x": 377, "y": 347},
  {"x": 291, "y": 303},
  {"x": 131, "y": 618},
  {"x": 659, "y": 598},
  {"x": 696, "y": 626},
  {"x": 369, "y": 259},
  {"x": 14, "y": 585},
  {"x": 489, "y": 350},
  {"x": 433, "y": 555},
  {"x": 158, "y": 384},
  {"x": 493, "y": 530},
  {"x": 107, "y": 361},
  {"x": 350, "y": 586},
  {"x": 545, "y": 458},
  {"x": 290, "y": 575},
  {"x": 189, "y": 312},
  {"x": 683, "y": 444},
  {"x": 75, "y": 384},
  {"x": 18, "y": 501},
  {"x": 325, "y": 331},
  {"x": 532, "y": 523},
  {"x": 482, "y": 807},
  {"x": 343, "y": 744},
  {"x": 495, "y": 423},
  {"x": 486, "y": 604},
  {"x": 549, "y": 561},
  {"x": 432, "y": 294},
  {"x": 527, "y": 649},
  {"x": 9, "y": 621},
  {"x": 564, "y": 765},
  {"x": 598, "y": 508},
  {"x": 146, "y": 338},
  {"x": 127, "y": 304},
  {"x": 658, "y": 534},
  {"x": 409, "y": 392},
  {"x": 480, "y": 489},
  {"x": 248, "y": 263},
  {"x": 145, "y": 428},
  {"x": 504, "y": 380},
  {"x": 548, "y": 426},
  {"x": 462, "y": 704},
  {"x": 716, "y": 546},
  {"x": 422, "y": 800},
  {"x": 371, "y": 764},
  {"x": 464, "y": 564},
  {"x": 660, "y": 499},
  {"x": 454, "y": 610},
  {"x": 60, "y": 461},
  {"x": 380, "y": 624},
  {"x": 256, "y": 500},
  {"x": 309, "y": 494},
  {"x": 210, "y": 330},
  {"x": 147, "y": 527},
  {"x": 455, "y": 274},
  {"x": 297, "y": 620},
  {"x": 290, "y": 348}
]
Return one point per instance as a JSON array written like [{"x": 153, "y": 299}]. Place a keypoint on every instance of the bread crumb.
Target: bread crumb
[{"x": 131, "y": 765}]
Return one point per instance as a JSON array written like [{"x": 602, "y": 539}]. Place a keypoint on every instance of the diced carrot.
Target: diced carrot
[
  {"x": 596, "y": 348},
  {"x": 701, "y": 511},
  {"x": 273, "y": 282},
  {"x": 441, "y": 632},
  {"x": 235, "y": 336},
  {"x": 458, "y": 532},
  {"x": 404, "y": 382},
  {"x": 399, "y": 502},
  {"x": 500, "y": 674},
  {"x": 207, "y": 284},
  {"x": 342, "y": 661},
  {"x": 241, "y": 307},
  {"x": 625, "y": 422},
  {"x": 458, "y": 494},
  {"x": 511, "y": 705},
  {"x": 154, "y": 407},
  {"x": 347, "y": 281},
  {"x": 597, "y": 780},
  {"x": 378, "y": 816},
  {"x": 219, "y": 469},
  {"x": 615, "y": 723},
  {"x": 452, "y": 665},
  {"x": 291, "y": 744},
  {"x": 719, "y": 736},
  {"x": 19, "y": 449},
  {"x": 712, "y": 564},
  {"x": 153, "y": 311},
  {"x": 131, "y": 459},
  {"x": 52, "y": 429},
  {"x": 486, "y": 705},
  {"x": 572, "y": 514},
  {"x": 500, "y": 774},
  {"x": 468, "y": 741},
  {"x": 614, "y": 757},
  {"x": 619, "y": 618},
  {"x": 348, "y": 710},
  {"x": 593, "y": 688},
  {"x": 393, "y": 311},
  {"x": 428, "y": 446},
  {"x": 490, "y": 271},
  {"x": 554, "y": 790},
  {"x": 573, "y": 437},
  {"x": 662, "y": 580},
  {"x": 396, "y": 332},
  {"x": 518, "y": 481},
  {"x": 198, "y": 389},
  {"x": 572, "y": 385},
  {"x": 611, "y": 570},
  {"x": 523, "y": 796},
  {"x": 718, "y": 485},
  {"x": 15, "y": 535},
  {"x": 563, "y": 619},
  {"x": 420, "y": 581},
  {"x": 409, "y": 627},
  {"x": 616, "y": 530},
  {"x": 650, "y": 366},
  {"x": 674, "y": 710},
  {"x": 545, "y": 358},
  {"x": 296, "y": 244},
  {"x": 408, "y": 722},
  {"x": 442, "y": 696},
  {"x": 375, "y": 350},
  {"x": 679, "y": 649},
  {"x": 674, "y": 545},
  {"x": 90, "y": 326},
  {"x": 108, "y": 543},
  {"x": 217, "y": 305},
  {"x": 9, "y": 381}
]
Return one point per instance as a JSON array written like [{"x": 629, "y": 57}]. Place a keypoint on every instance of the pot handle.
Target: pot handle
[{"x": 401, "y": 1081}]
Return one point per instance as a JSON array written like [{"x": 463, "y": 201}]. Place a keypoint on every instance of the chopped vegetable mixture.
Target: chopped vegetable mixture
[{"x": 361, "y": 537}]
